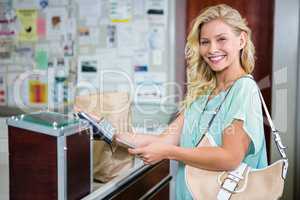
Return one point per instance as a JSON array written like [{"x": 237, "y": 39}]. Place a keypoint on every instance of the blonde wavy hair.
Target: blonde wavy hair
[{"x": 200, "y": 78}]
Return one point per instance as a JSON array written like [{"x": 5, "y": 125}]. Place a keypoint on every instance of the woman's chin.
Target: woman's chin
[{"x": 217, "y": 68}]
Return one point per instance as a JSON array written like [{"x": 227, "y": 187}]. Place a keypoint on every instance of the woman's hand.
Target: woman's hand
[
  {"x": 94, "y": 116},
  {"x": 152, "y": 153},
  {"x": 125, "y": 138}
]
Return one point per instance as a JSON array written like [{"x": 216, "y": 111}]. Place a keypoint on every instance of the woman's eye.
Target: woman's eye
[
  {"x": 203, "y": 43},
  {"x": 221, "y": 39}
]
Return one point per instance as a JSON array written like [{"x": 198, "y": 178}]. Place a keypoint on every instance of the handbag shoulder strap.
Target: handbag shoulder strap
[{"x": 275, "y": 132}]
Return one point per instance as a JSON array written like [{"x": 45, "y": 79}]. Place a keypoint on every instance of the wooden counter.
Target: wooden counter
[{"x": 145, "y": 182}]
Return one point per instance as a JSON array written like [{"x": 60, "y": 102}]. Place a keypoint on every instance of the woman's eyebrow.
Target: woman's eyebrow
[
  {"x": 218, "y": 35},
  {"x": 221, "y": 34},
  {"x": 203, "y": 38}
]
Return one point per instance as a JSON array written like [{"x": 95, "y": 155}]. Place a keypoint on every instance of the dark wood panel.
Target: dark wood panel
[
  {"x": 143, "y": 183},
  {"x": 162, "y": 194},
  {"x": 78, "y": 165},
  {"x": 32, "y": 165},
  {"x": 259, "y": 15}
]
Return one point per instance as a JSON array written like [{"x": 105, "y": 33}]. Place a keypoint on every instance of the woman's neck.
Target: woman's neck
[{"x": 227, "y": 77}]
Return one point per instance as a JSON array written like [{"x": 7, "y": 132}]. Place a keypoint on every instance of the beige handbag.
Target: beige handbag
[{"x": 242, "y": 183}]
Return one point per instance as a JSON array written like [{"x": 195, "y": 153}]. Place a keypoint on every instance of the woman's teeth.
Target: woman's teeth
[{"x": 216, "y": 58}]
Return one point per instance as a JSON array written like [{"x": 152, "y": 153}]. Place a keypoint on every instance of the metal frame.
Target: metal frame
[
  {"x": 69, "y": 130},
  {"x": 61, "y": 168}
]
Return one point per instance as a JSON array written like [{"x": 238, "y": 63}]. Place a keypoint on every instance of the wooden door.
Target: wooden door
[{"x": 259, "y": 15}]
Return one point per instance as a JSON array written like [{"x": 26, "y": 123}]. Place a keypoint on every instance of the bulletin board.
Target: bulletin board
[{"x": 51, "y": 49}]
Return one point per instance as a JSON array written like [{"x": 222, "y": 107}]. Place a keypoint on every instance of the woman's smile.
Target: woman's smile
[{"x": 215, "y": 59}]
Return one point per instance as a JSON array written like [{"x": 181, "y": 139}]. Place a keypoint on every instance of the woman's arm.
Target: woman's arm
[
  {"x": 170, "y": 136},
  {"x": 226, "y": 157}
]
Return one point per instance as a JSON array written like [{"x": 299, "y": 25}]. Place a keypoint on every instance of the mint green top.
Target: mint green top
[{"x": 243, "y": 103}]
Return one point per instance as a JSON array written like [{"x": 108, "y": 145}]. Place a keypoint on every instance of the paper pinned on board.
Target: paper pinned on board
[
  {"x": 157, "y": 57},
  {"x": 3, "y": 90},
  {"x": 157, "y": 11},
  {"x": 107, "y": 58},
  {"x": 120, "y": 73},
  {"x": 27, "y": 19},
  {"x": 41, "y": 58},
  {"x": 56, "y": 22},
  {"x": 126, "y": 40},
  {"x": 157, "y": 37},
  {"x": 38, "y": 91},
  {"x": 140, "y": 58},
  {"x": 150, "y": 86},
  {"x": 15, "y": 88},
  {"x": 25, "y": 4},
  {"x": 88, "y": 36},
  {"x": 88, "y": 71},
  {"x": 139, "y": 7},
  {"x": 41, "y": 27},
  {"x": 90, "y": 12},
  {"x": 58, "y": 2},
  {"x": 111, "y": 36},
  {"x": 120, "y": 11}
]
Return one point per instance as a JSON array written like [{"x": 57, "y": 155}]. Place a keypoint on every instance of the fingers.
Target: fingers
[
  {"x": 77, "y": 109},
  {"x": 97, "y": 118},
  {"x": 136, "y": 151}
]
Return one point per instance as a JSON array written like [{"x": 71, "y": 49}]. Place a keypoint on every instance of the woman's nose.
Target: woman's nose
[{"x": 212, "y": 47}]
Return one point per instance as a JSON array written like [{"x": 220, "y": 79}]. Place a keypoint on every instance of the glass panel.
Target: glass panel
[{"x": 48, "y": 118}]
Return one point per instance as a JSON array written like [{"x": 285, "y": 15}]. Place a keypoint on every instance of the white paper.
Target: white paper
[
  {"x": 90, "y": 36},
  {"x": 120, "y": 11},
  {"x": 111, "y": 36},
  {"x": 71, "y": 27},
  {"x": 139, "y": 7},
  {"x": 84, "y": 50},
  {"x": 107, "y": 58},
  {"x": 92, "y": 9},
  {"x": 25, "y": 4},
  {"x": 90, "y": 12},
  {"x": 140, "y": 58},
  {"x": 157, "y": 57},
  {"x": 3, "y": 68},
  {"x": 126, "y": 40},
  {"x": 157, "y": 38},
  {"x": 55, "y": 48},
  {"x": 157, "y": 11},
  {"x": 12, "y": 86},
  {"x": 121, "y": 73},
  {"x": 21, "y": 66},
  {"x": 88, "y": 71},
  {"x": 157, "y": 5},
  {"x": 58, "y": 2},
  {"x": 56, "y": 22},
  {"x": 140, "y": 33},
  {"x": 149, "y": 86}
]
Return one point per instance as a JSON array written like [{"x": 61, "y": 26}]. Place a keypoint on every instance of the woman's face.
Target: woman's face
[{"x": 220, "y": 46}]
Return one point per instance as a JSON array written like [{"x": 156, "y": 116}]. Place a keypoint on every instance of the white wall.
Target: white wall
[{"x": 284, "y": 91}]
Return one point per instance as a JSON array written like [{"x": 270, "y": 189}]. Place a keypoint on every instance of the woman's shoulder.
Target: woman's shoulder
[{"x": 245, "y": 84}]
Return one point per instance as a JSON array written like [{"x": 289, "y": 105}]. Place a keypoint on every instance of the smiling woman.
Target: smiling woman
[
  {"x": 222, "y": 102},
  {"x": 219, "y": 45}
]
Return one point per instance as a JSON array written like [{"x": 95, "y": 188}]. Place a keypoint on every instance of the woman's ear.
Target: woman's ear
[{"x": 243, "y": 39}]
